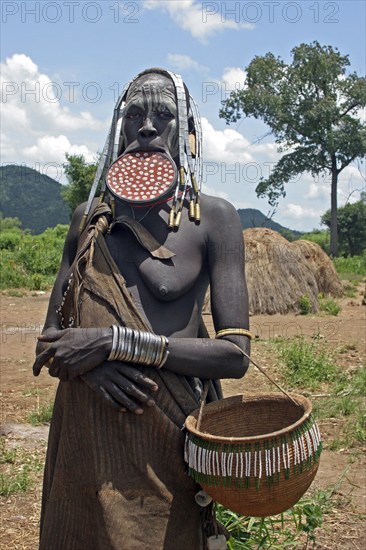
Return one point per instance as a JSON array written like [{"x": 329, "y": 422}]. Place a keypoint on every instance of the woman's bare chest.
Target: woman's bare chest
[{"x": 165, "y": 279}]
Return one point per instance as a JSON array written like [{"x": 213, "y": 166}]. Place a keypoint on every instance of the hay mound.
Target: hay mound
[
  {"x": 276, "y": 275},
  {"x": 321, "y": 265},
  {"x": 279, "y": 273}
]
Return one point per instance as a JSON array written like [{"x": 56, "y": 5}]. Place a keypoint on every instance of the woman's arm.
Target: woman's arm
[
  {"x": 79, "y": 352},
  {"x": 219, "y": 358}
]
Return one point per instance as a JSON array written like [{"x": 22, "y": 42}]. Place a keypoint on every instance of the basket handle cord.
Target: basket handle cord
[
  {"x": 206, "y": 386},
  {"x": 268, "y": 376}
]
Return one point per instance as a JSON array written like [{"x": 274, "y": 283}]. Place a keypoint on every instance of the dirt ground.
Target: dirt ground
[{"x": 21, "y": 393}]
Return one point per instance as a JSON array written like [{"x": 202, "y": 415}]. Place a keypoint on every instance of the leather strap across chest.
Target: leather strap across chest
[{"x": 144, "y": 237}]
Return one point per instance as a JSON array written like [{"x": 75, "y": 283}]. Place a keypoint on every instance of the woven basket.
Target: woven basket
[{"x": 256, "y": 455}]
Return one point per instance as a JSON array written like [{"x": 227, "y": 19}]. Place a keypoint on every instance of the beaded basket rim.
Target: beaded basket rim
[{"x": 222, "y": 404}]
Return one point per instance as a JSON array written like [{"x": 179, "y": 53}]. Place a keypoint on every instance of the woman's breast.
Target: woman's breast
[
  {"x": 170, "y": 279},
  {"x": 169, "y": 293},
  {"x": 166, "y": 280}
]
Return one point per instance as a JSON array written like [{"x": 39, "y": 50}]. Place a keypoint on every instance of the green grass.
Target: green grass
[
  {"x": 346, "y": 402},
  {"x": 351, "y": 266},
  {"x": 19, "y": 469},
  {"x": 350, "y": 289},
  {"x": 42, "y": 415},
  {"x": 17, "y": 481},
  {"x": 7, "y": 456},
  {"x": 304, "y": 305},
  {"x": 294, "y": 528},
  {"x": 345, "y": 348},
  {"x": 328, "y": 305},
  {"x": 307, "y": 364},
  {"x": 31, "y": 392}
]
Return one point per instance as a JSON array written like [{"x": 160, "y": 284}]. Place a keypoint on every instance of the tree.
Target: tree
[
  {"x": 312, "y": 109},
  {"x": 351, "y": 227},
  {"x": 7, "y": 224},
  {"x": 80, "y": 175}
]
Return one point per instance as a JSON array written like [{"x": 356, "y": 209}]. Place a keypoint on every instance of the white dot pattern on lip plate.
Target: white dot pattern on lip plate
[{"x": 141, "y": 176}]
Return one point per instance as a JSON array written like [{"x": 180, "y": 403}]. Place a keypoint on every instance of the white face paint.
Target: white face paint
[{"x": 150, "y": 115}]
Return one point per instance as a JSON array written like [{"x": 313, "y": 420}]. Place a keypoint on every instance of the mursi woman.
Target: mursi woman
[{"x": 124, "y": 333}]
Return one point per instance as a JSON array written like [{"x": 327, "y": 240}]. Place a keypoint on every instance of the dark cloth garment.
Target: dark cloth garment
[{"x": 116, "y": 481}]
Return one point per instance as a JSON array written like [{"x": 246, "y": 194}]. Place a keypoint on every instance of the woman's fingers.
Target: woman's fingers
[
  {"x": 130, "y": 389},
  {"x": 42, "y": 359},
  {"x": 50, "y": 335},
  {"x": 119, "y": 391},
  {"x": 112, "y": 395},
  {"x": 122, "y": 398},
  {"x": 137, "y": 376},
  {"x": 107, "y": 398}
]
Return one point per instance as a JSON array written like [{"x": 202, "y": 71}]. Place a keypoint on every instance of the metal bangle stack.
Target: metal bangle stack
[{"x": 136, "y": 346}]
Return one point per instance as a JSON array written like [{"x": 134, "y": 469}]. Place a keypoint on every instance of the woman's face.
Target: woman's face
[{"x": 150, "y": 116}]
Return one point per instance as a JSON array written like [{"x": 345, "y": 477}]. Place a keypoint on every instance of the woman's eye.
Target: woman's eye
[
  {"x": 132, "y": 116},
  {"x": 165, "y": 115}
]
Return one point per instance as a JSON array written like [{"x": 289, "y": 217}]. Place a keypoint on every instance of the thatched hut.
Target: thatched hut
[
  {"x": 279, "y": 273},
  {"x": 321, "y": 265},
  {"x": 277, "y": 277}
]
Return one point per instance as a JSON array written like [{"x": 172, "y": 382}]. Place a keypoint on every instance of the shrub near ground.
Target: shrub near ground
[
  {"x": 352, "y": 265},
  {"x": 30, "y": 261}
]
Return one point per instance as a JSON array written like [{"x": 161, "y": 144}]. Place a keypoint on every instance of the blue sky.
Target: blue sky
[{"x": 64, "y": 62}]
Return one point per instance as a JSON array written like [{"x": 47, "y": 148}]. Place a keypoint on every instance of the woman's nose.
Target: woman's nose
[{"x": 148, "y": 129}]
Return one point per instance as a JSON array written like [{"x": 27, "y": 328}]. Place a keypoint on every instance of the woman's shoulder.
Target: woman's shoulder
[{"x": 218, "y": 209}]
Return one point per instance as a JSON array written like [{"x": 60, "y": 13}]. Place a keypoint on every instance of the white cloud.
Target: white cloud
[
  {"x": 299, "y": 212},
  {"x": 233, "y": 78},
  {"x": 317, "y": 191},
  {"x": 227, "y": 145},
  {"x": 351, "y": 181},
  {"x": 361, "y": 114},
  {"x": 35, "y": 118},
  {"x": 201, "y": 20},
  {"x": 6, "y": 146},
  {"x": 53, "y": 147},
  {"x": 185, "y": 63},
  {"x": 214, "y": 192},
  {"x": 31, "y": 99}
]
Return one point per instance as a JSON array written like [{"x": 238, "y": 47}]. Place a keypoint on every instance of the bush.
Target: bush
[
  {"x": 304, "y": 304},
  {"x": 31, "y": 261},
  {"x": 7, "y": 224},
  {"x": 328, "y": 305},
  {"x": 10, "y": 239},
  {"x": 12, "y": 275},
  {"x": 355, "y": 265}
]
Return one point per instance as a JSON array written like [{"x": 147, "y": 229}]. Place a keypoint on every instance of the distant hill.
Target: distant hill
[
  {"x": 32, "y": 197},
  {"x": 250, "y": 217}
]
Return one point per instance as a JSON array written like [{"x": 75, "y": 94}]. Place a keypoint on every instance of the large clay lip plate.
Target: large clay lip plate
[{"x": 141, "y": 176}]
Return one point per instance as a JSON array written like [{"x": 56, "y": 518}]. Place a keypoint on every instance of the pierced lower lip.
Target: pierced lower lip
[
  {"x": 141, "y": 175},
  {"x": 145, "y": 149}
]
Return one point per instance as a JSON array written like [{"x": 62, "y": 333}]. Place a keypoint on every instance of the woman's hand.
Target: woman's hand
[
  {"x": 72, "y": 352},
  {"x": 118, "y": 385}
]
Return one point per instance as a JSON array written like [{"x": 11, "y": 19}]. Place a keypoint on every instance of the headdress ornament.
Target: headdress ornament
[{"x": 158, "y": 170}]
